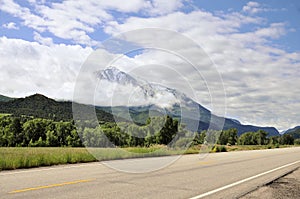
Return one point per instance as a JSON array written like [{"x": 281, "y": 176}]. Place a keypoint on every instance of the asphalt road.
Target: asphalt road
[
  {"x": 287, "y": 187},
  {"x": 220, "y": 175}
]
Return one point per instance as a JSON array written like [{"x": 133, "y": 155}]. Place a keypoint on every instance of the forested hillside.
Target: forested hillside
[
  {"x": 39, "y": 106},
  {"x": 40, "y": 121},
  {"x": 295, "y": 132},
  {"x": 5, "y": 98}
]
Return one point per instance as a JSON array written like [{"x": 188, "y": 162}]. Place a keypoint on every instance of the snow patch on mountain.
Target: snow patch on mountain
[{"x": 126, "y": 90}]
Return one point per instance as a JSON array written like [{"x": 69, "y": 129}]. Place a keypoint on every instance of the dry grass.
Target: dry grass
[{"x": 16, "y": 158}]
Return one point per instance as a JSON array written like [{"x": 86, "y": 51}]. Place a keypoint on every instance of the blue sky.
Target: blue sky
[
  {"x": 254, "y": 44},
  {"x": 287, "y": 11}
]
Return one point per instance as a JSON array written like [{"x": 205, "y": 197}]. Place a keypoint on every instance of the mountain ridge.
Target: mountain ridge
[
  {"x": 4, "y": 98},
  {"x": 194, "y": 112},
  {"x": 36, "y": 105},
  {"x": 182, "y": 103},
  {"x": 40, "y": 106},
  {"x": 295, "y": 132}
]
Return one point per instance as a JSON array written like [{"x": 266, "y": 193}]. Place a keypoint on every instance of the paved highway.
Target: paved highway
[{"x": 220, "y": 175}]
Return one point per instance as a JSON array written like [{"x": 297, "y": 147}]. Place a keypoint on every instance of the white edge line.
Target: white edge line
[
  {"x": 62, "y": 166},
  {"x": 140, "y": 159},
  {"x": 242, "y": 181},
  {"x": 54, "y": 167}
]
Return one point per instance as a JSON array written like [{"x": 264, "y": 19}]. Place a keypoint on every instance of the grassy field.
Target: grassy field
[
  {"x": 255, "y": 147},
  {"x": 16, "y": 158}
]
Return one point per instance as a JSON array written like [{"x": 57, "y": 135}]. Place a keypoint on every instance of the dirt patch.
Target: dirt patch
[{"x": 287, "y": 187}]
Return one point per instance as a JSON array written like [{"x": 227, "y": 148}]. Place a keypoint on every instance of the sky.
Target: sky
[{"x": 254, "y": 47}]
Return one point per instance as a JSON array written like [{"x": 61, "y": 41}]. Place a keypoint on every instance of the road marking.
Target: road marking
[
  {"x": 206, "y": 162},
  {"x": 242, "y": 181},
  {"x": 50, "y": 186},
  {"x": 31, "y": 170}
]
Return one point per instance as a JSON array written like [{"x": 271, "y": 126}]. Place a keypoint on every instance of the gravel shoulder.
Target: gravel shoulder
[{"x": 287, "y": 187}]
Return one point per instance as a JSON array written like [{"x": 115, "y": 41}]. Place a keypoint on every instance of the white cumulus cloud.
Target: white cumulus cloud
[
  {"x": 29, "y": 67},
  {"x": 10, "y": 25},
  {"x": 260, "y": 77}
]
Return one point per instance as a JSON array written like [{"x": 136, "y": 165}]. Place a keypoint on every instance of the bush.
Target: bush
[
  {"x": 219, "y": 149},
  {"x": 297, "y": 141}
]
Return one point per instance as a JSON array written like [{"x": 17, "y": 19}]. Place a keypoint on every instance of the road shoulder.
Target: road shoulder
[{"x": 287, "y": 187}]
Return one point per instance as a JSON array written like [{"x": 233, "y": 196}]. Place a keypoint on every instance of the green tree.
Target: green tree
[
  {"x": 261, "y": 137},
  {"x": 286, "y": 139},
  {"x": 199, "y": 138},
  {"x": 273, "y": 140},
  {"x": 247, "y": 139},
  {"x": 94, "y": 137},
  {"x": 297, "y": 141},
  {"x": 168, "y": 132},
  {"x": 51, "y": 139},
  {"x": 17, "y": 131},
  {"x": 228, "y": 137},
  {"x": 63, "y": 130}
]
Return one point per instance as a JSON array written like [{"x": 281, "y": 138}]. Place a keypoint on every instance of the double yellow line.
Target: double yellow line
[{"x": 51, "y": 186}]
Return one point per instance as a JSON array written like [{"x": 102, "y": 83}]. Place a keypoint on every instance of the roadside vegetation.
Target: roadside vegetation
[
  {"x": 27, "y": 131},
  {"x": 30, "y": 157},
  {"x": 27, "y": 142},
  {"x": 16, "y": 157}
]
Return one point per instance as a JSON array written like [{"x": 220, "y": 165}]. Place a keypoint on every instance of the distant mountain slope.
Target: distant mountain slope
[
  {"x": 249, "y": 128},
  {"x": 295, "y": 132},
  {"x": 153, "y": 94},
  {"x": 43, "y": 107},
  {"x": 5, "y": 98},
  {"x": 150, "y": 93}
]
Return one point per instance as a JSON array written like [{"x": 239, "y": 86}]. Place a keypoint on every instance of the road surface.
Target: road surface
[
  {"x": 287, "y": 187},
  {"x": 219, "y": 175}
]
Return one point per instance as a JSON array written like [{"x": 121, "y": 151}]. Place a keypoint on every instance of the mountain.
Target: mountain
[
  {"x": 295, "y": 132},
  {"x": 175, "y": 105},
  {"x": 292, "y": 129},
  {"x": 5, "y": 98},
  {"x": 43, "y": 107},
  {"x": 247, "y": 128},
  {"x": 159, "y": 100},
  {"x": 113, "y": 74}
]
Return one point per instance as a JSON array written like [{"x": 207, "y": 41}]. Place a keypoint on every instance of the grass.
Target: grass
[
  {"x": 254, "y": 147},
  {"x": 134, "y": 152},
  {"x": 16, "y": 158}
]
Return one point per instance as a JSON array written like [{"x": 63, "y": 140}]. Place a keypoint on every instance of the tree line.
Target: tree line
[
  {"x": 230, "y": 137},
  {"x": 26, "y": 131}
]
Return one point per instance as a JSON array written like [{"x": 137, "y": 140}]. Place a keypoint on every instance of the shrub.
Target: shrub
[
  {"x": 297, "y": 141},
  {"x": 219, "y": 149}
]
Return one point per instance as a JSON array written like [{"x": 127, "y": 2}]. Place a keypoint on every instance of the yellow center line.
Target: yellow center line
[
  {"x": 51, "y": 186},
  {"x": 256, "y": 156},
  {"x": 206, "y": 162}
]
